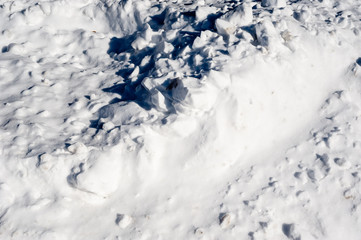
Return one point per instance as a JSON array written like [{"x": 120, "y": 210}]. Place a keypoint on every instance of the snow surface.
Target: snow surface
[{"x": 180, "y": 119}]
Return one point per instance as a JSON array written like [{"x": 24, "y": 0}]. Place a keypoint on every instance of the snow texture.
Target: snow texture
[{"x": 182, "y": 119}]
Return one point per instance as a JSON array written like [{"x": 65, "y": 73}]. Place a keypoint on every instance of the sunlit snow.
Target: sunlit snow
[{"x": 182, "y": 119}]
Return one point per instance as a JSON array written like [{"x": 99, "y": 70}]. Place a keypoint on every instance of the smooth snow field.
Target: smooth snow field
[{"x": 180, "y": 119}]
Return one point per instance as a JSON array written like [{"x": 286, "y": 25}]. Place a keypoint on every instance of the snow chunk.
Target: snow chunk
[
  {"x": 225, "y": 28},
  {"x": 240, "y": 16},
  {"x": 108, "y": 126},
  {"x": 144, "y": 40},
  {"x": 274, "y": 3},
  {"x": 139, "y": 43},
  {"x": 168, "y": 48},
  {"x": 202, "y": 98},
  {"x": 77, "y": 148},
  {"x": 159, "y": 101},
  {"x": 289, "y": 231},
  {"x": 199, "y": 231},
  {"x": 203, "y": 12},
  {"x": 267, "y": 35},
  {"x": 123, "y": 220},
  {"x": 15, "y": 48},
  {"x": 225, "y": 220},
  {"x": 106, "y": 112},
  {"x": 135, "y": 73},
  {"x": 122, "y": 113}
]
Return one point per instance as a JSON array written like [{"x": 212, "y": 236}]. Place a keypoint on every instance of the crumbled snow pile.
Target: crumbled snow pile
[{"x": 177, "y": 119}]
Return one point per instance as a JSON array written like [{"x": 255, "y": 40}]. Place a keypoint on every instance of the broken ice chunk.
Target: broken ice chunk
[
  {"x": 273, "y": 3},
  {"x": 267, "y": 35},
  {"x": 224, "y": 220},
  {"x": 203, "y": 12},
  {"x": 240, "y": 16},
  {"x": 139, "y": 43},
  {"x": 289, "y": 231},
  {"x": 159, "y": 101},
  {"x": 225, "y": 28},
  {"x": 77, "y": 148},
  {"x": 123, "y": 220}
]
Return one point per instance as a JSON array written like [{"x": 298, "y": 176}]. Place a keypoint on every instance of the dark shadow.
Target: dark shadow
[
  {"x": 209, "y": 23},
  {"x": 157, "y": 21},
  {"x": 358, "y": 61},
  {"x": 119, "y": 45},
  {"x": 4, "y": 49},
  {"x": 183, "y": 40},
  {"x": 190, "y": 14},
  {"x": 130, "y": 92},
  {"x": 115, "y": 100},
  {"x": 94, "y": 123}
]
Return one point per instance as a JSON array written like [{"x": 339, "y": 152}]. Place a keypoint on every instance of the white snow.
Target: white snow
[{"x": 180, "y": 119}]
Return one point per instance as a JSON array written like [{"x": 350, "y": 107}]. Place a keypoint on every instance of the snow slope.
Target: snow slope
[{"x": 180, "y": 119}]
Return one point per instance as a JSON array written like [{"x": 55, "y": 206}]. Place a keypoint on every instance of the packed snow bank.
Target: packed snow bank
[{"x": 157, "y": 119}]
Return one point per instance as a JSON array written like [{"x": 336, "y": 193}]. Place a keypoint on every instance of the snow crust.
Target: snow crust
[{"x": 180, "y": 119}]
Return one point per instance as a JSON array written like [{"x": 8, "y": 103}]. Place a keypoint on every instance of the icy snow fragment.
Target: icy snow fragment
[
  {"x": 199, "y": 231},
  {"x": 15, "y": 48},
  {"x": 125, "y": 113},
  {"x": 77, "y": 148},
  {"x": 178, "y": 91},
  {"x": 224, "y": 220},
  {"x": 168, "y": 48},
  {"x": 202, "y": 98},
  {"x": 267, "y": 35},
  {"x": 287, "y": 36},
  {"x": 350, "y": 194},
  {"x": 145, "y": 61},
  {"x": 225, "y": 28},
  {"x": 273, "y": 3},
  {"x": 78, "y": 104},
  {"x": 202, "y": 12},
  {"x": 46, "y": 7},
  {"x": 34, "y": 15},
  {"x": 135, "y": 73},
  {"x": 139, "y": 43},
  {"x": 341, "y": 162},
  {"x": 316, "y": 174},
  {"x": 44, "y": 113},
  {"x": 106, "y": 112},
  {"x": 148, "y": 84},
  {"x": 170, "y": 35},
  {"x": 247, "y": 36},
  {"x": 44, "y": 161},
  {"x": 289, "y": 231},
  {"x": 198, "y": 59},
  {"x": 123, "y": 220},
  {"x": 198, "y": 43},
  {"x": 336, "y": 142},
  {"x": 240, "y": 16},
  {"x": 148, "y": 33},
  {"x": 159, "y": 101},
  {"x": 303, "y": 15},
  {"x": 108, "y": 126}
]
